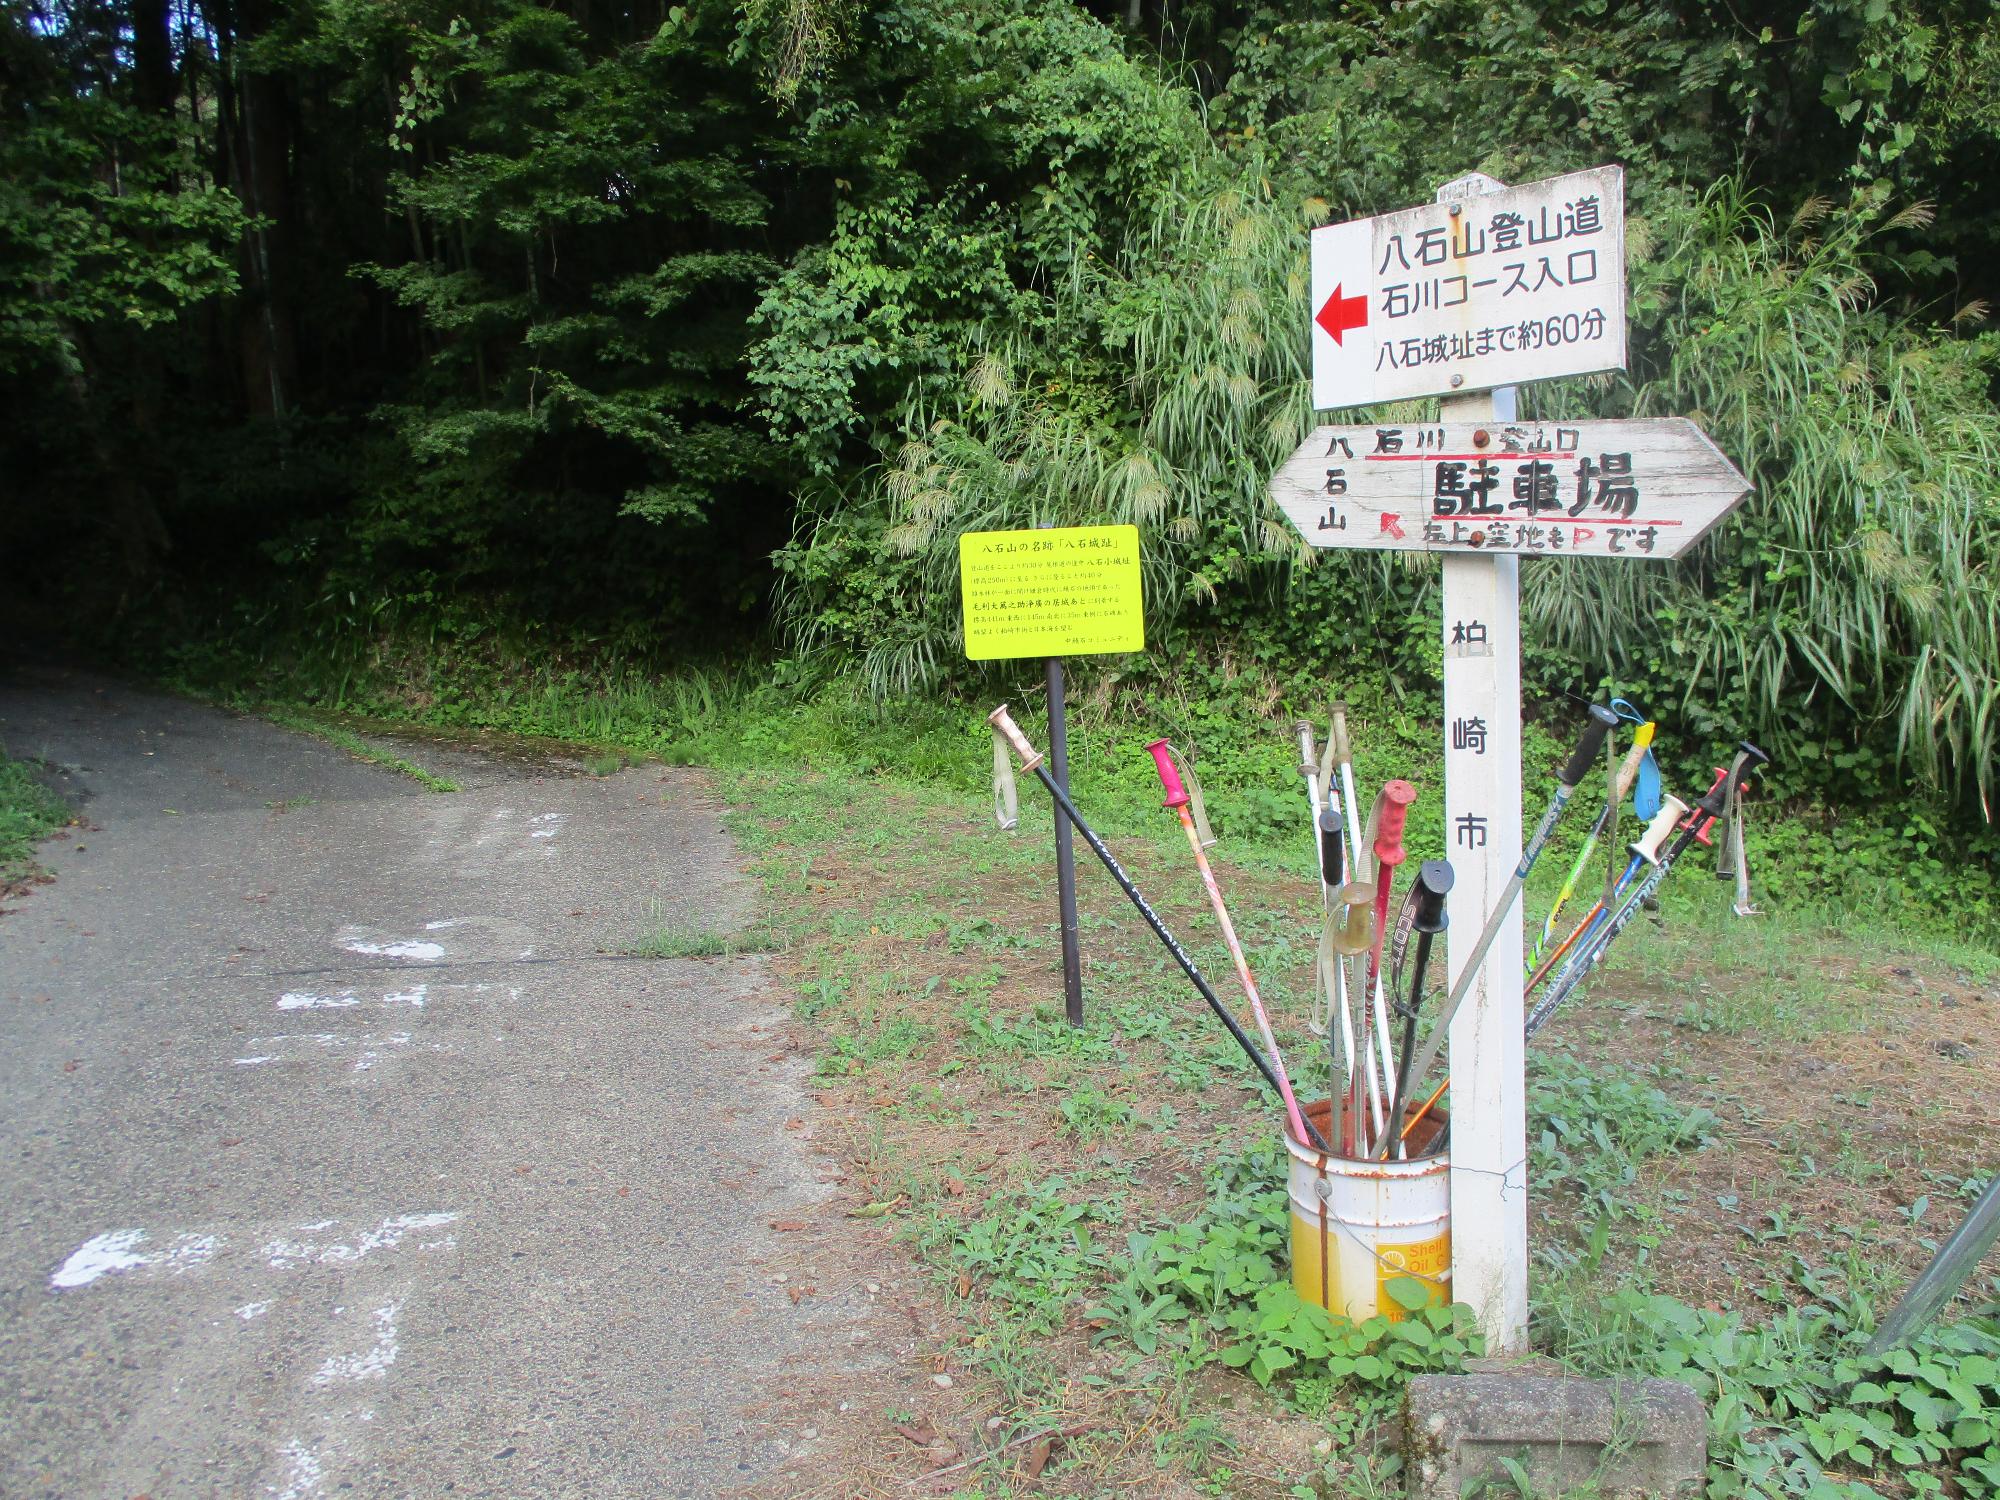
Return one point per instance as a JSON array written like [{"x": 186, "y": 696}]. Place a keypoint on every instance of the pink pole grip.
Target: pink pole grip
[
  {"x": 1170, "y": 779},
  {"x": 1396, "y": 799}
]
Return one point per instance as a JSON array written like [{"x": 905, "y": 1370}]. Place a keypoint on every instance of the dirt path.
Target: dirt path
[{"x": 343, "y": 1151}]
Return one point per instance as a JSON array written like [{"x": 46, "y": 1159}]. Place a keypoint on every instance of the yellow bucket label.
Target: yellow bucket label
[{"x": 1427, "y": 1261}]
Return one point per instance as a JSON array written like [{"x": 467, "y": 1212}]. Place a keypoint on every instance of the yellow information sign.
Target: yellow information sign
[{"x": 1067, "y": 591}]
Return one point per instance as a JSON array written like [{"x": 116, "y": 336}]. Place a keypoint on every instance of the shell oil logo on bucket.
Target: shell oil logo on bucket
[{"x": 1408, "y": 1277}]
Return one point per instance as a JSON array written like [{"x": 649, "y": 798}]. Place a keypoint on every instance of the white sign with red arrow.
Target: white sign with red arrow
[{"x": 1491, "y": 286}]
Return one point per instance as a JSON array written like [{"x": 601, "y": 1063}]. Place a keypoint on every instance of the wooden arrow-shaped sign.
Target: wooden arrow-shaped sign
[{"x": 1642, "y": 489}]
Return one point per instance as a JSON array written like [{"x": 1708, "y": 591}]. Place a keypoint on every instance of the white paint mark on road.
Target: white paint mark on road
[
  {"x": 547, "y": 825},
  {"x": 372, "y": 1363},
  {"x": 101, "y": 1256},
  {"x": 251, "y": 1311},
  {"x": 304, "y": 1473},
  {"x": 424, "y": 952},
  {"x": 118, "y": 1251},
  {"x": 415, "y": 996},
  {"x": 284, "y": 1253},
  {"x": 307, "y": 1000},
  {"x": 377, "y": 944},
  {"x": 251, "y": 1062}
]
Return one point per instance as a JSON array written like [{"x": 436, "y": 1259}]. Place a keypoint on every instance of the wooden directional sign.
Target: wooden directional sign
[
  {"x": 1489, "y": 286},
  {"x": 1641, "y": 489}
]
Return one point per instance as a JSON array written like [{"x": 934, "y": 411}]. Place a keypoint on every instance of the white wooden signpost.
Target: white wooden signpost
[{"x": 1487, "y": 287}]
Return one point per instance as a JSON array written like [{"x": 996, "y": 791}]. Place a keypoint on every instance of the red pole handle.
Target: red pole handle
[
  {"x": 1170, "y": 779},
  {"x": 1701, "y": 819},
  {"x": 1396, "y": 799}
]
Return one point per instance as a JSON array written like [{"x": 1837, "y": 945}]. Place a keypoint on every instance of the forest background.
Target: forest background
[{"x": 417, "y": 355}]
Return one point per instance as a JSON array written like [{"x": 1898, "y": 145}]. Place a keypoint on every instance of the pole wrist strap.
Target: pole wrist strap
[
  {"x": 1006, "y": 801},
  {"x": 1196, "y": 807}
]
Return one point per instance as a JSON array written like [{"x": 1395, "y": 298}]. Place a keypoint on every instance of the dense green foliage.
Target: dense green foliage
[
  {"x": 577, "y": 330},
  {"x": 1794, "y": 1407}
]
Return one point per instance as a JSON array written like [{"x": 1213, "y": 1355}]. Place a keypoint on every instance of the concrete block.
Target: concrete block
[{"x": 1611, "y": 1439}]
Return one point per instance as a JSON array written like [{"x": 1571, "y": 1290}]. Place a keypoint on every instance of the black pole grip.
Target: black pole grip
[
  {"x": 1433, "y": 884},
  {"x": 1332, "y": 849},
  {"x": 1602, "y": 722},
  {"x": 1749, "y": 761}
]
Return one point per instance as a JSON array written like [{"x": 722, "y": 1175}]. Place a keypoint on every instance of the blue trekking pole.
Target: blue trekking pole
[{"x": 1748, "y": 760}]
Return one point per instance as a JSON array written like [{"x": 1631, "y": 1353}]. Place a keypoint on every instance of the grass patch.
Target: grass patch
[
  {"x": 346, "y": 739},
  {"x": 29, "y": 813},
  {"x": 671, "y": 941},
  {"x": 1101, "y": 1205}
]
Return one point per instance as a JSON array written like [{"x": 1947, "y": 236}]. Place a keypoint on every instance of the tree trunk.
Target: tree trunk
[
  {"x": 155, "y": 87},
  {"x": 260, "y": 157}
]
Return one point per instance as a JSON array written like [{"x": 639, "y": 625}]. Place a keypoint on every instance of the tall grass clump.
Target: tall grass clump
[{"x": 1849, "y": 611}]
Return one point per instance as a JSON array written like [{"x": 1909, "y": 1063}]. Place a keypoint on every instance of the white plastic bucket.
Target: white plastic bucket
[{"x": 1357, "y": 1226}]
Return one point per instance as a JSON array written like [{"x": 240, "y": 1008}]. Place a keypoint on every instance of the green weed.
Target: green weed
[
  {"x": 1795, "y": 1409},
  {"x": 346, "y": 739},
  {"x": 674, "y": 941},
  {"x": 1219, "y": 1288},
  {"x": 29, "y": 813},
  {"x": 1592, "y": 1128},
  {"x": 1032, "y": 1248},
  {"x": 1042, "y": 1031},
  {"x": 871, "y": 1042},
  {"x": 1090, "y": 1114}
]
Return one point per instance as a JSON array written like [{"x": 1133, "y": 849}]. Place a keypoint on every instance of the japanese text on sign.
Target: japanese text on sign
[
  {"x": 1640, "y": 489},
  {"x": 1068, "y": 591},
  {"x": 1499, "y": 288}
]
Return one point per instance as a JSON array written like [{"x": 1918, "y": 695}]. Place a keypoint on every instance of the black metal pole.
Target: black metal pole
[
  {"x": 1033, "y": 760},
  {"x": 1072, "y": 954}
]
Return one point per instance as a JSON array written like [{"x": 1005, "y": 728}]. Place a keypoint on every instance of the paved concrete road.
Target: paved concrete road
[{"x": 339, "y": 1153}]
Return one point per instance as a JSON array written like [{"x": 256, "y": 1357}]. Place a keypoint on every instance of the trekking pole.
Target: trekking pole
[
  {"x": 1417, "y": 1115},
  {"x": 1031, "y": 760},
  {"x": 1339, "y": 1023},
  {"x": 1709, "y": 807},
  {"x": 1646, "y": 854},
  {"x": 1347, "y": 939},
  {"x": 1645, "y": 850},
  {"x": 1309, "y": 768},
  {"x": 1178, "y": 800},
  {"x": 1333, "y": 974},
  {"x": 1385, "y": 842},
  {"x": 1343, "y": 760},
  {"x": 1650, "y": 851},
  {"x": 1628, "y": 771},
  {"x": 1376, "y": 1085},
  {"x": 1574, "y": 770},
  {"x": 1432, "y": 885}
]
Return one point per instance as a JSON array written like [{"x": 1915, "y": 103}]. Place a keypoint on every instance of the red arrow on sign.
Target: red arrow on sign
[{"x": 1342, "y": 313}]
